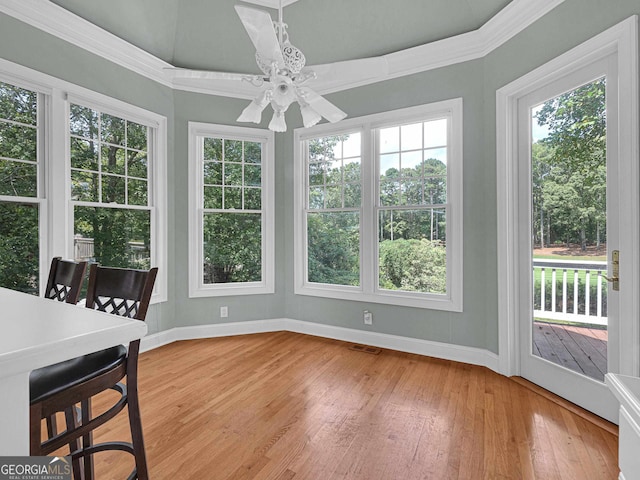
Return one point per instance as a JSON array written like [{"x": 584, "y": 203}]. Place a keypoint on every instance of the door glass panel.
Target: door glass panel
[{"x": 569, "y": 234}]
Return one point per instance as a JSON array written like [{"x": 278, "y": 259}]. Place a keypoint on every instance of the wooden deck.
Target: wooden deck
[{"x": 581, "y": 349}]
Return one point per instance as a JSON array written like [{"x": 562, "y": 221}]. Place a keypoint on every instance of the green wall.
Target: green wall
[{"x": 476, "y": 82}]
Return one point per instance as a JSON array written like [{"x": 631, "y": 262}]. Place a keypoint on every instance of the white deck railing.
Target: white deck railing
[{"x": 568, "y": 293}]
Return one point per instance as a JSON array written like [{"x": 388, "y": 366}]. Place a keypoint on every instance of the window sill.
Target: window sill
[{"x": 403, "y": 299}]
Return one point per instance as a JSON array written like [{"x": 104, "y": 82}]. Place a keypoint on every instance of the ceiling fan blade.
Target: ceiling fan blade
[
  {"x": 348, "y": 72},
  {"x": 207, "y": 74},
  {"x": 259, "y": 26},
  {"x": 321, "y": 105}
]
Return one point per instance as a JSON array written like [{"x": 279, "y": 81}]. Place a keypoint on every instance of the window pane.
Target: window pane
[
  {"x": 213, "y": 149},
  {"x": 411, "y": 136},
  {"x": 253, "y": 175},
  {"x": 112, "y": 129},
  {"x": 389, "y": 140},
  {"x": 252, "y": 198},
  {"x": 113, "y": 159},
  {"x": 212, "y": 173},
  {"x": 18, "y": 104},
  {"x": 435, "y": 133},
  {"x": 233, "y": 151},
  {"x": 351, "y": 146},
  {"x": 136, "y": 136},
  {"x": 252, "y": 152},
  {"x": 117, "y": 155},
  {"x": 352, "y": 195},
  {"x": 137, "y": 166},
  {"x": 83, "y": 122},
  {"x": 113, "y": 188},
  {"x": 389, "y": 162},
  {"x": 411, "y": 163},
  {"x": 436, "y": 155},
  {"x": 84, "y": 186},
  {"x": 212, "y": 197},
  {"x": 18, "y": 178},
  {"x": 232, "y": 247},
  {"x": 113, "y": 237},
  {"x": 84, "y": 154},
  {"x": 412, "y": 250},
  {"x": 232, "y": 174},
  {"x": 334, "y": 248},
  {"x": 19, "y": 247},
  {"x": 137, "y": 192},
  {"x": 18, "y": 142},
  {"x": 232, "y": 198},
  {"x": 316, "y": 197}
]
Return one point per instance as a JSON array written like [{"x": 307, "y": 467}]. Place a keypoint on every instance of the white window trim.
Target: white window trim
[
  {"x": 197, "y": 288},
  {"x": 56, "y": 237},
  {"x": 367, "y": 292}
]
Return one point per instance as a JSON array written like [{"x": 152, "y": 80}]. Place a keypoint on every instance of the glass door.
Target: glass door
[{"x": 571, "y": 226}]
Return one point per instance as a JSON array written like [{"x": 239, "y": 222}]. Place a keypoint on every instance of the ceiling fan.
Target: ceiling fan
[{"x": 285, "y": 78}]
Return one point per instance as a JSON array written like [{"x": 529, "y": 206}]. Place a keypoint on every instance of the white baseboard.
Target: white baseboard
[{"x": 458, "y": 353}]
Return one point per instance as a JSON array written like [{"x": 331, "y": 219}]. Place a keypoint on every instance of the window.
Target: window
[
  {"x": 110, "y": 188},
  {"x": 20, "y": 194},
  {"x": 81, "y": 175},
  {"x": 231, "y": 208},
  {"x": 379, "y": 202}
]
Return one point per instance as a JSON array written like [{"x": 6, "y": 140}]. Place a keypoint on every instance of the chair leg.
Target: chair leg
[
  {"x": 87, "y": 440},
  {"x": 35, "y": 429},
  {"x": 137, "y": 438},
  {"x": 72, "y": 423}
]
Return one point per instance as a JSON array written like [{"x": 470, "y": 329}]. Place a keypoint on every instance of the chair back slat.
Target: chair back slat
[
  {"x": 120, "y": 291},
  {"x": 65, "y": 280}
]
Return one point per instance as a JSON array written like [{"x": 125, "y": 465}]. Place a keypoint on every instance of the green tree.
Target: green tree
[
  {"x": 575, "y": 167},
  {"x": 19, "y": 232}
]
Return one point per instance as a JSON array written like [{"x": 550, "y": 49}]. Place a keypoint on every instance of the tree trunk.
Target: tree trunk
[{"x": 541, "y": 228}]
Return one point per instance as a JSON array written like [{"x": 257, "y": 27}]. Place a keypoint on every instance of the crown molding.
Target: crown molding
[{"x": 57, "y": 21}]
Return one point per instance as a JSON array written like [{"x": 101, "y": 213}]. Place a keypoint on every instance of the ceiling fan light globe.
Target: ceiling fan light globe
[
  {"x": 278, "y": 123},
  {"x": 309, "y": 116},
  {"x": 252, "y": 113}
]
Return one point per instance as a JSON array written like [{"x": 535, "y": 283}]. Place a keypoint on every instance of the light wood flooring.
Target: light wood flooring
[{"x": 286, "y": 406}]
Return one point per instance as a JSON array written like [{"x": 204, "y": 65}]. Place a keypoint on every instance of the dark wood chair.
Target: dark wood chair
[
  {"x": 61, "y": 387},
  {"x": 65, "y": 280},
  {"x": 64, "y": 285}
]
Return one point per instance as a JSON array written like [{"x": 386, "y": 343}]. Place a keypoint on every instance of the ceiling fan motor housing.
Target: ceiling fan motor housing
[{"x": 294, "y": 59}]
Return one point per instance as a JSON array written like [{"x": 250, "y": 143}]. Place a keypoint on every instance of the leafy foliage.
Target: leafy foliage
[
  {"x": 19, "y": 247},
  {"x": 569, "y": 167},
  {"x": 413, "y": 265},
  {"x": 232, "y": 228},
  {"x": 19, "y": 221},
  {"x": 412, "y": 250}
]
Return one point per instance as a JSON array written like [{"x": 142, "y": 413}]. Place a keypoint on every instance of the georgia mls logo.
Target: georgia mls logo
[{"x": 35, "y": 468}]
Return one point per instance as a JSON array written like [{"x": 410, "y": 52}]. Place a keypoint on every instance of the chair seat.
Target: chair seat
[{"x": 53, "y": 379}]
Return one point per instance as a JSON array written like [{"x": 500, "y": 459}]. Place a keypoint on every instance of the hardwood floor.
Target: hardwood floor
[{"x": 287, "y": 406}]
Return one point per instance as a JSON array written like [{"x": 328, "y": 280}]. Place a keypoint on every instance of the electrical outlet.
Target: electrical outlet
[
  {"x": 224, "y": 312},
  {"x": 367, "y": 316}
]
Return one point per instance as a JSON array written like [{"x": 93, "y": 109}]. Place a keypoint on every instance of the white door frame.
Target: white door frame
[{"x": 622, "y": 41}]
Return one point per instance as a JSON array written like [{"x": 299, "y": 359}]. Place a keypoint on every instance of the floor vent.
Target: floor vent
[{"x": 365, "y": 349}]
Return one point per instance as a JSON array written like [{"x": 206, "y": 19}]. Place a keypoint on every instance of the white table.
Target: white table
[{"x": 35, "y": 332}]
